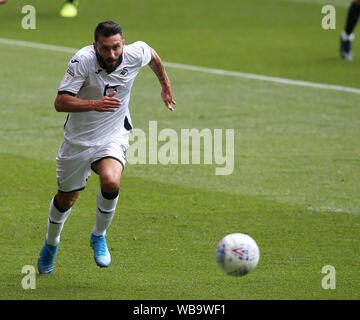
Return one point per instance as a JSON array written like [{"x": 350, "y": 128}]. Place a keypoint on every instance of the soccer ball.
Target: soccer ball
[{"x": 237, "y": 254}]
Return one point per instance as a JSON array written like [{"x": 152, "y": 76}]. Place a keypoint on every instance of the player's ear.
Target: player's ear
[{"x": 94, "y": 45}]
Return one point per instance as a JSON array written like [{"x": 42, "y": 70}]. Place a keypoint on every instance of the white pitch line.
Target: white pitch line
[
  {"x": 263, "y": 78},
  {"x": 199, "y": 69},
  {"x": 36, "y": 45},
  {"x": 330, "y": 209}
]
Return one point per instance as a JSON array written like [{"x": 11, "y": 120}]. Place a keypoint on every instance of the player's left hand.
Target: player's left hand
[{"x": 167, "y": 97}]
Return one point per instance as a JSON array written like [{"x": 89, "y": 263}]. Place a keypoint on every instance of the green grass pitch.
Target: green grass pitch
[{"x": 295, "y": 185}]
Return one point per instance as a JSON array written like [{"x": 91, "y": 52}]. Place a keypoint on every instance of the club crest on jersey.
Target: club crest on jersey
[{"x": 124, "y": 71}]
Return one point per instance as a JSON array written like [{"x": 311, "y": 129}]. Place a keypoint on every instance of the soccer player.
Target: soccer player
[
  {"x": 69, "y": 9},
  {"x": 95, "y": 93},
  {"x": 347, "y": 35}
]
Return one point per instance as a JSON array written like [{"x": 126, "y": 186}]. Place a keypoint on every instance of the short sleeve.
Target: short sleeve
[
  {"x": 144, "y": 51},
  {"x": 75, "y": 76}
]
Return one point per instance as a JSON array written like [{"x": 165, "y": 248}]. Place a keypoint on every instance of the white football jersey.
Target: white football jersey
[{"x": 85, "y": 79}]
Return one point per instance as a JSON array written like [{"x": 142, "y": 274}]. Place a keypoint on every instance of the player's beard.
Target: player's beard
[{"x": 103, "y": 64}]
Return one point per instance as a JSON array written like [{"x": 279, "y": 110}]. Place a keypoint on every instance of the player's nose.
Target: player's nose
[{"x": 112, "y": 54}]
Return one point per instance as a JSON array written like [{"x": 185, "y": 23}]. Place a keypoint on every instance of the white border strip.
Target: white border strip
[{"x": 199, "y": 69}]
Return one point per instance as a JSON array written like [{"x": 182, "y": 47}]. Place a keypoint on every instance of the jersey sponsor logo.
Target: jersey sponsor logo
[{"x": 108, "y": 89}]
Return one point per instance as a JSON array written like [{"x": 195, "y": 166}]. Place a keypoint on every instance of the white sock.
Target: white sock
[
  {"x": 347, "y": 37},
  {"x": 55, "y": 224},
  {"x": 104, "y": 213}
]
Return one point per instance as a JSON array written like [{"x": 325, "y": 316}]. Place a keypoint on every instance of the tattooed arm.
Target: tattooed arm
[{"x": 157, "y": 66}]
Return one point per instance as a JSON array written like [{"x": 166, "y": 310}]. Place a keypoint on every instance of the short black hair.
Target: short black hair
[{"x": 107, "y": 29}]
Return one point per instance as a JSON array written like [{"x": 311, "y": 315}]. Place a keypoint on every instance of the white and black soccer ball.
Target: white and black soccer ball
[{"x": 237, "y": 254}]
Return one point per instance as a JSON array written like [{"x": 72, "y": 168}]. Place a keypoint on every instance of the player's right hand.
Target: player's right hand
[{"x": 107, "y": 103}]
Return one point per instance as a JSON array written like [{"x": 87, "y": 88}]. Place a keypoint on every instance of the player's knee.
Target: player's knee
[
  {"x": 64, "y": 201},
  {"x": 110, "y": 181},
  {"x": 110, "y": 184}
]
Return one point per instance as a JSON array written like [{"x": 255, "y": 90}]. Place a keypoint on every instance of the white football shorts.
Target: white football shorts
[{"x": 74, "y": 162}]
